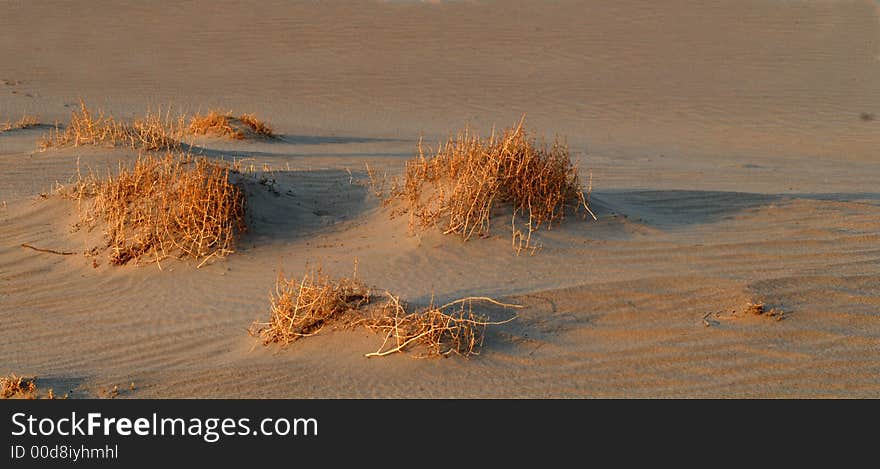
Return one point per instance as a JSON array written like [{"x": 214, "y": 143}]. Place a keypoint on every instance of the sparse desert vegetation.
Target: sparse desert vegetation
[
  {"x": 453, "y": 328},
  {"x": 225, "y": 124},
  {"x": 733, "y": 147},
  {"x": 303, "y": 307},
  {"x": 20, "y": 387},
  {"x": 461, "y": 187},
  {"x": 25, "y": 122},
  {"x": 162, "y": 206},
  {"x": 154, "y": 131}
]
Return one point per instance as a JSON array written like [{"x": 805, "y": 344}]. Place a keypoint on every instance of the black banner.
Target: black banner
[{"x": 404, "y": 432}]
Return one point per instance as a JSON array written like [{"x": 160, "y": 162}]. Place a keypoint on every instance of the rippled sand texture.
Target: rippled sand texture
[
  {"x": 732, "y": 147},
  {"x": 744, "y": 76}
]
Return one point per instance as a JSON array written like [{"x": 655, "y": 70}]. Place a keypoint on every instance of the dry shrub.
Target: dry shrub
[
  {"x": 154, "y": 131},
  {"x": 461, "y": 186},
  {"x": 224, "y": 124},
  {"x": 26, "y": 122},
  {"x": 19, "y": 387},
  {"x": 151, "y": 132},
  {"x": 163, "y": 206},
  {"x": 441, "y": 331},
  {"x": 213, "y": 123},
  {"x": 257, "y": 126},
  {"x": 302, "y": 308}
]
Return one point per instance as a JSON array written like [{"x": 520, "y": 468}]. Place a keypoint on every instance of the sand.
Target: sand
[{"x": 730, "y": 163}]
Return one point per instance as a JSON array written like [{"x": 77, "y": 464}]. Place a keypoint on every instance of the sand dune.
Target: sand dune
[{"x": 729, "y": 157}]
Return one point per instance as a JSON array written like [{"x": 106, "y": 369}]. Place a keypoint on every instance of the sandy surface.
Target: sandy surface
[{"x": 729, "y": 158}]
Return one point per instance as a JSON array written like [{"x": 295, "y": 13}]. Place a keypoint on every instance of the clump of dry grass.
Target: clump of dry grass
[
  {"x": 151, "y": 132},
  {"x": 19, "y": 387},
  {"x": 302, "y": 308},
  {"x": 154, "y": 131},
  {"x": 212, "y": 123},
  {"x": 163, "y": 206},
  {"x": 462, "y": 185},
  {"x": 224, "y": 124},
  {"x": 257, "y": 126},
  {"x": 25, "y": 122}
]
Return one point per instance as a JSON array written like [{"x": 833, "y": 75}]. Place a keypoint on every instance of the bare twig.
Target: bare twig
[
  {"x": 705, "y": 319},
  {"x": 50, "y": 251},
  {"x": 480, "y": 298}
]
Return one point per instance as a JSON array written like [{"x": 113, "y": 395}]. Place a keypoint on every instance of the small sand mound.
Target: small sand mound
[
  {"x": 224, "y": 124},
  {"x": 760, "y": 309},
  {"x": 302, "y": 308},
  {"x": 461, "y": 187},
  {"x": 163, "y": 206}
]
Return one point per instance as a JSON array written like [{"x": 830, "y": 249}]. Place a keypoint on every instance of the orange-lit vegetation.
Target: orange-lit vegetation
[
  {"x": 25, "y": 122},
  {"x": 151, "y": 132},
  {"x": 163, "y": 206},
  {"x": 303, "y": 307},
  {"x": 20, "y": 387},
  {"x": 225, "y": 124},
  {"x": 461, "y": 186}
]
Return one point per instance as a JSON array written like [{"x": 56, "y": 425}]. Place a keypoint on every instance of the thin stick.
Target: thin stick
[
  {"x": 705, "y": 321},
  {"x": 586, "y": 204},
  {"x": 481, "y": 298},
  {"x": 399, "y": 346},
  {"x": 50, "y": 251}
]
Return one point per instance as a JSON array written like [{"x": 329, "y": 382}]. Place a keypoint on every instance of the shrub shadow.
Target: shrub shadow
[{"x": 289, "y": 205}]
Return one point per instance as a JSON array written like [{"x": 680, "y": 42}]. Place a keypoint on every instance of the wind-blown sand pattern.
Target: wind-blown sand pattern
[{"x": 731, "y": 157}]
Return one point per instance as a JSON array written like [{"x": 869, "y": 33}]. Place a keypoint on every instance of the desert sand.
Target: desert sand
[{"x": 732, "y": 145}]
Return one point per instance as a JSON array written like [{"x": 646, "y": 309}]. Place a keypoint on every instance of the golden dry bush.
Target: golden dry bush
[
  {"x": 461, "y": 186},
  {"x": 163, "y": 206},
  {"x": 303, "y": 307},
  {"x": 257, "y": 126},
  {"x": 453, "y": 328},
  {"x": 225, "y": 124},
  {"x": 25, "y": 122},
  {"x": 212, "y": 123},
  {"x": 151, "y": 132},
  {"x": 18, "y": 387}
]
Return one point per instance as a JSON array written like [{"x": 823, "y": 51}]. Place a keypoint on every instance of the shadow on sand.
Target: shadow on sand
[{"x": 289, "y": 205}]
